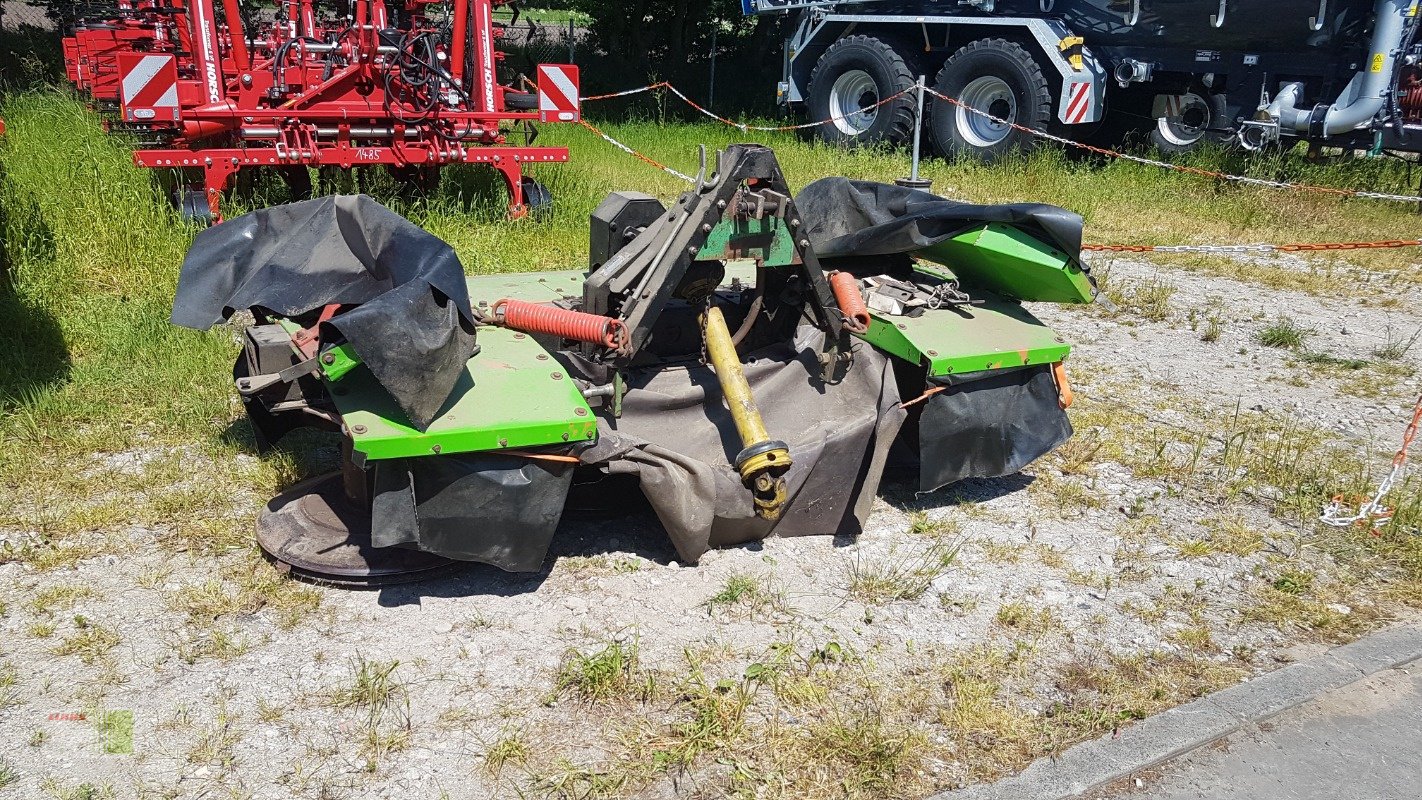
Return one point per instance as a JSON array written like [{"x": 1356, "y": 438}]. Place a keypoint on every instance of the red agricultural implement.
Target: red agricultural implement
[{"x": 412, "y": 85}]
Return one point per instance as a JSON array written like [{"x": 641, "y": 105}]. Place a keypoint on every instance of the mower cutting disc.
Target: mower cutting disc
[{"x": 313, "y": 531}]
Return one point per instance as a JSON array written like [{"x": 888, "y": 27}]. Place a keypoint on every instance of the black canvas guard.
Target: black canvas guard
[
  {"x": 988, "y": 425},
  {"x": 677, "y": 436},
  {"x": 413, "y": 326},
  {"x": 849, "y": 218},
  {"x": 487, "y": 507}
]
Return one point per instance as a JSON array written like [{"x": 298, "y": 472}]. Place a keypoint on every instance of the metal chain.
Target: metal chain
[
  {"x": 624, "y": 148},
  {"x": 1205, "y": 173},
  {"x": 1372, "y": 510},
  {"x": 1151, "y": 162}
]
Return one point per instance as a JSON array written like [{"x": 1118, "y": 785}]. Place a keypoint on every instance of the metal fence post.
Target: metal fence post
[
  {"x": 913, "y": 181},
  {"x": 711, "y": 90},
  {"x": 572, "y": 41}
]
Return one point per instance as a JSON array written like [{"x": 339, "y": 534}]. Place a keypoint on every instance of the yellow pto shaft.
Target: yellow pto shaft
[{"x": 762, "y": 461}]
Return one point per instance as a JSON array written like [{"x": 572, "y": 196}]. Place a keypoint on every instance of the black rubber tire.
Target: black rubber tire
[
  {"x": 1166, "y": 146},
  {"x": 1016, "y": 67},
  {"x": 893, "y": 121},
  {"x": 520, "y": 101}
]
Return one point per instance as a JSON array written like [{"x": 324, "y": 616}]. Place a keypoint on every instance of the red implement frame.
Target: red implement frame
[{"x": 384, "y": 86}]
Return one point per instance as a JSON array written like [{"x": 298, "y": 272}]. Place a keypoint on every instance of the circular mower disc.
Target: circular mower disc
[{"x": 317, "y": 534}]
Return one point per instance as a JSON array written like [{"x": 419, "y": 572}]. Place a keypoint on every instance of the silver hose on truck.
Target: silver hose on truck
[{"x": 1365, "y": 94}]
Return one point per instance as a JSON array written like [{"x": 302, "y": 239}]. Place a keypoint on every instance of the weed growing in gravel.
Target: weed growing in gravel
[
  {"x": 713, "y": 718},
  {"x": 904, "y": 577},
  {"x": 1234, "y": 535},
  {"x": 1148, "y": 298},
  {"x": 607, "y": 674},
  {"x": 248, "y": 588},
  {"x": 598, "y": 565},
  {"x": 1327, "y": 360},
  {"x": 1106, "y": 691},
  {"x": 1396, "y": 347},
  {"x": 920, "y": 524},
  {"x": 739, "y": 586},
  {"x": 89, "y": 642},
  {"x": 1283, "y": 332},
  {"x": 8, "y": 774},
  {"x": 569, "y": 781},
  {"x": 1021, "y": 618},
  {"x": 61, "y": 597},
  {"x": 216, "y": 643},
  {"x": 385, "y": 700},
  {"x": 9, "y": 679},
  {"x": 511, "y": 748},
  {"x": 57, "y": 790},
  {"x": 215, "y": 743},
  {"x": 1214, "y": 327}
]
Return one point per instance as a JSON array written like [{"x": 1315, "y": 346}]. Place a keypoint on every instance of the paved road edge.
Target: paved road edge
[{"x": 1091, "y": 765}]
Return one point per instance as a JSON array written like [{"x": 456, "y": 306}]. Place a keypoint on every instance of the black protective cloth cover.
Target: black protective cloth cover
[
  {"x": 412, "y": 325},
  {"x": 676, "y": 435},
  {"x": 849, "y": 218},
  {"x": 989, "y": 425},
  {"x": 487, "y": 507}
]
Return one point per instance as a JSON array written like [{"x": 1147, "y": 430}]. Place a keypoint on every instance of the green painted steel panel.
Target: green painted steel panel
[
  {"x": 507, "y": 397},
  {"x": 535, "y": 287},
  {"x": 767, "y": 239},
  {"x": 337, "y": 362},
  {"x": 1009, "y": 262},
  {"x": 995, "y": 335}
]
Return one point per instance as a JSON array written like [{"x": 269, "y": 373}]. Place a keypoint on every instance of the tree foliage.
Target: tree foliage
[{"x": 672, "y": 40}]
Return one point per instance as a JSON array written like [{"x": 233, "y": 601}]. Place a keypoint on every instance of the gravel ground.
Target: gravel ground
[{"x": 1080, "y": 555}]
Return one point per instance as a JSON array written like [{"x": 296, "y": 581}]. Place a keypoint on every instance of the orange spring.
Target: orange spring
[
  {"x": 850, "y": 300},
  {"x": 522, "y": 315},
  {"x": 1411, "y": 102}
]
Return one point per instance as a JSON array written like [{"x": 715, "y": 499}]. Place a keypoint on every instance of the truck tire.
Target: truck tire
[
  {"x": 854, "y": 73},
  {"x": 1000, "y": 78}
]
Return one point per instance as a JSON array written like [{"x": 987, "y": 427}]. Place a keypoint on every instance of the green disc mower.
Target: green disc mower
[{"x": 745, "y": 360}]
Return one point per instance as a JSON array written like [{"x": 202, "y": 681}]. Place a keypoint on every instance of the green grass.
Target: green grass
[
  {"x": 1283, "y": 332},
  {"x": 606, "y": 674}
]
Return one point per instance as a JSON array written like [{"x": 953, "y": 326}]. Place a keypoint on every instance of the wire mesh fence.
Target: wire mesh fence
[{"x": 16, "y": 15}]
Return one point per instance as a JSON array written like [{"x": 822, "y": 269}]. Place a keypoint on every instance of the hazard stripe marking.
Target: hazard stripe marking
[
  {"x": 141, "y": 75},
  {"x": 558, "y": 93},
  {"x": 1080, "y": 102}
]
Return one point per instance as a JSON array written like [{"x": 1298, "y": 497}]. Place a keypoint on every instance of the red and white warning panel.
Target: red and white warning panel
[
  {"x": 1079, "y": 103},
  {"x": 558, "y": 93},
  {"x": 148, "y": 87}
]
